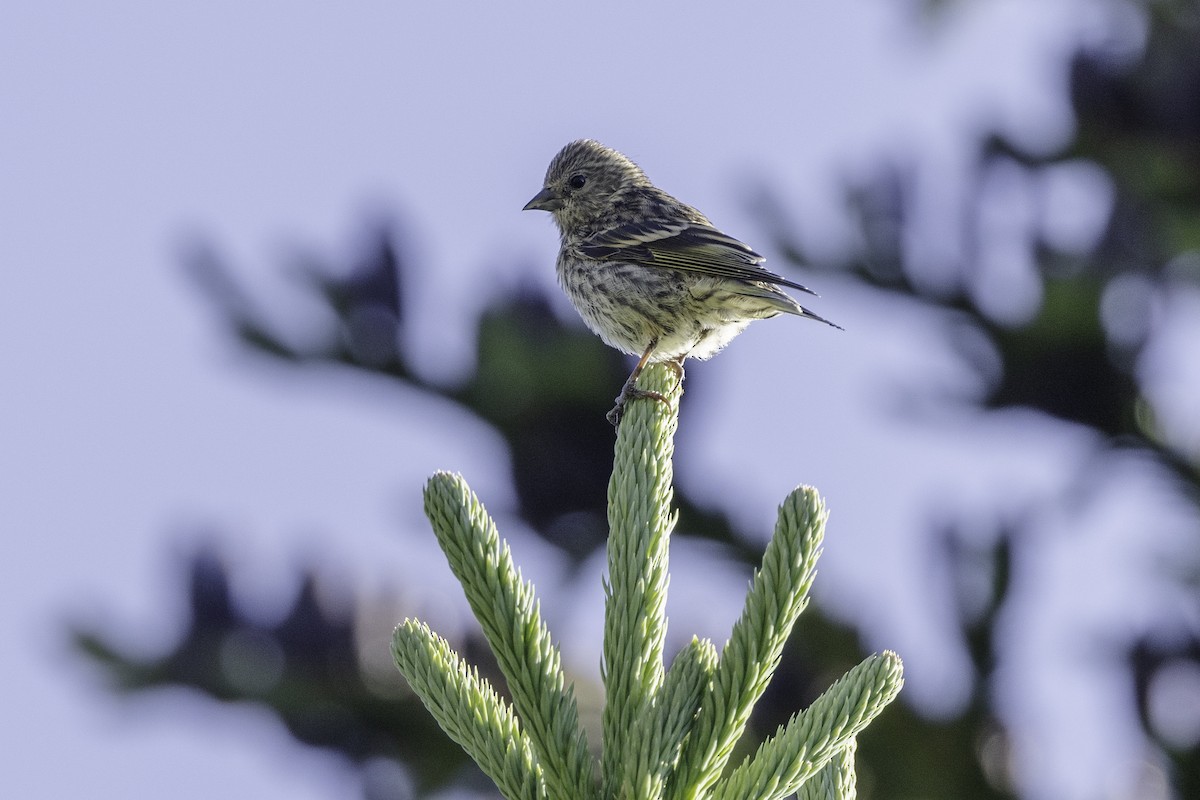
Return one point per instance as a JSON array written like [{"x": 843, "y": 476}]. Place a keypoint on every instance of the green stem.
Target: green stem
[{"x": 640, "y": 521}]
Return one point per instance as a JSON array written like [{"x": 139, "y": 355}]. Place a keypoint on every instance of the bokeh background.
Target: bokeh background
[{"x": 263, "y": 269}]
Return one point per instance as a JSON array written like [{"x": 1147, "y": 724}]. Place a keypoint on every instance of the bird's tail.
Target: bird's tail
[{"x": 804, "y": 312}]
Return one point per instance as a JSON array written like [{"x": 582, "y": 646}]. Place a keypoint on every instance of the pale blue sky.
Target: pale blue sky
[{"x": 128, "y": 418}]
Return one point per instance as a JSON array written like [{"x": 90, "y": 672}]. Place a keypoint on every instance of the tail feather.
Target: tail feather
[{"x": 804, "y": 312}]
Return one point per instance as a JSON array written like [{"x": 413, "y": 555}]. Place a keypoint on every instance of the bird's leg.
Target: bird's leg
[
  {"x": 630, "y": 391},
  {"x": 677, "y": 365}
]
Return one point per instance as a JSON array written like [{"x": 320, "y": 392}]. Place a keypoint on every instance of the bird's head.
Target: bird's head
[{"x": 583, "y": 183}]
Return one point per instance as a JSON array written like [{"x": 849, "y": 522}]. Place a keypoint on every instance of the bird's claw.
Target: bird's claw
[{"x": 633, "y": 393}]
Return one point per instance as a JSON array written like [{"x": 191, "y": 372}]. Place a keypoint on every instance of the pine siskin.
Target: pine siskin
[{"x": 651, "y": 275}]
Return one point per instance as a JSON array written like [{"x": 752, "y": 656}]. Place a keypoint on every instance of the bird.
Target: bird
[{"x": 649, "y": 274}]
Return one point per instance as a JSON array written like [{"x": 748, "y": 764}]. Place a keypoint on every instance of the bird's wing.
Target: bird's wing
[{"x": 687, "y": 246}]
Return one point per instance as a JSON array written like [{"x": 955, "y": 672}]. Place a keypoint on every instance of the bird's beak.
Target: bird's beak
[{"x": 545, "y": 200}]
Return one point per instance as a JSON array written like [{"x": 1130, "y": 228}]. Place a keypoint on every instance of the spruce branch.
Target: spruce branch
[
  {"x": 835, "y": 781},
  {"x": 660, "y": 734},
  {"x": 640, "y": 521},
  {"x": 811, "y": 738},
  {"x": 778, "y": 594},
  {"x": 667, "y": 735},
  {"x": 469, "y": 711},
  {"x": 508, "y": 613}
]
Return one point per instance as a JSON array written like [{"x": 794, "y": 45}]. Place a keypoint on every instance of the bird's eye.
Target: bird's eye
[{"x": 577, "y": 181}]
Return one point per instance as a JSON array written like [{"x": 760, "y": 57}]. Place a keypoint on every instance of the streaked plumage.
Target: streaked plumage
[{"x": 651, "y": 275}]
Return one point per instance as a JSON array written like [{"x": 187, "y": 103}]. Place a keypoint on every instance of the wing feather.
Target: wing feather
[{"x": 686, "y": 246}]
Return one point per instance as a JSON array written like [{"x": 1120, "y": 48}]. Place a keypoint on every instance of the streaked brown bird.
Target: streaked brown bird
[{"x": 650, "y": 275}]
